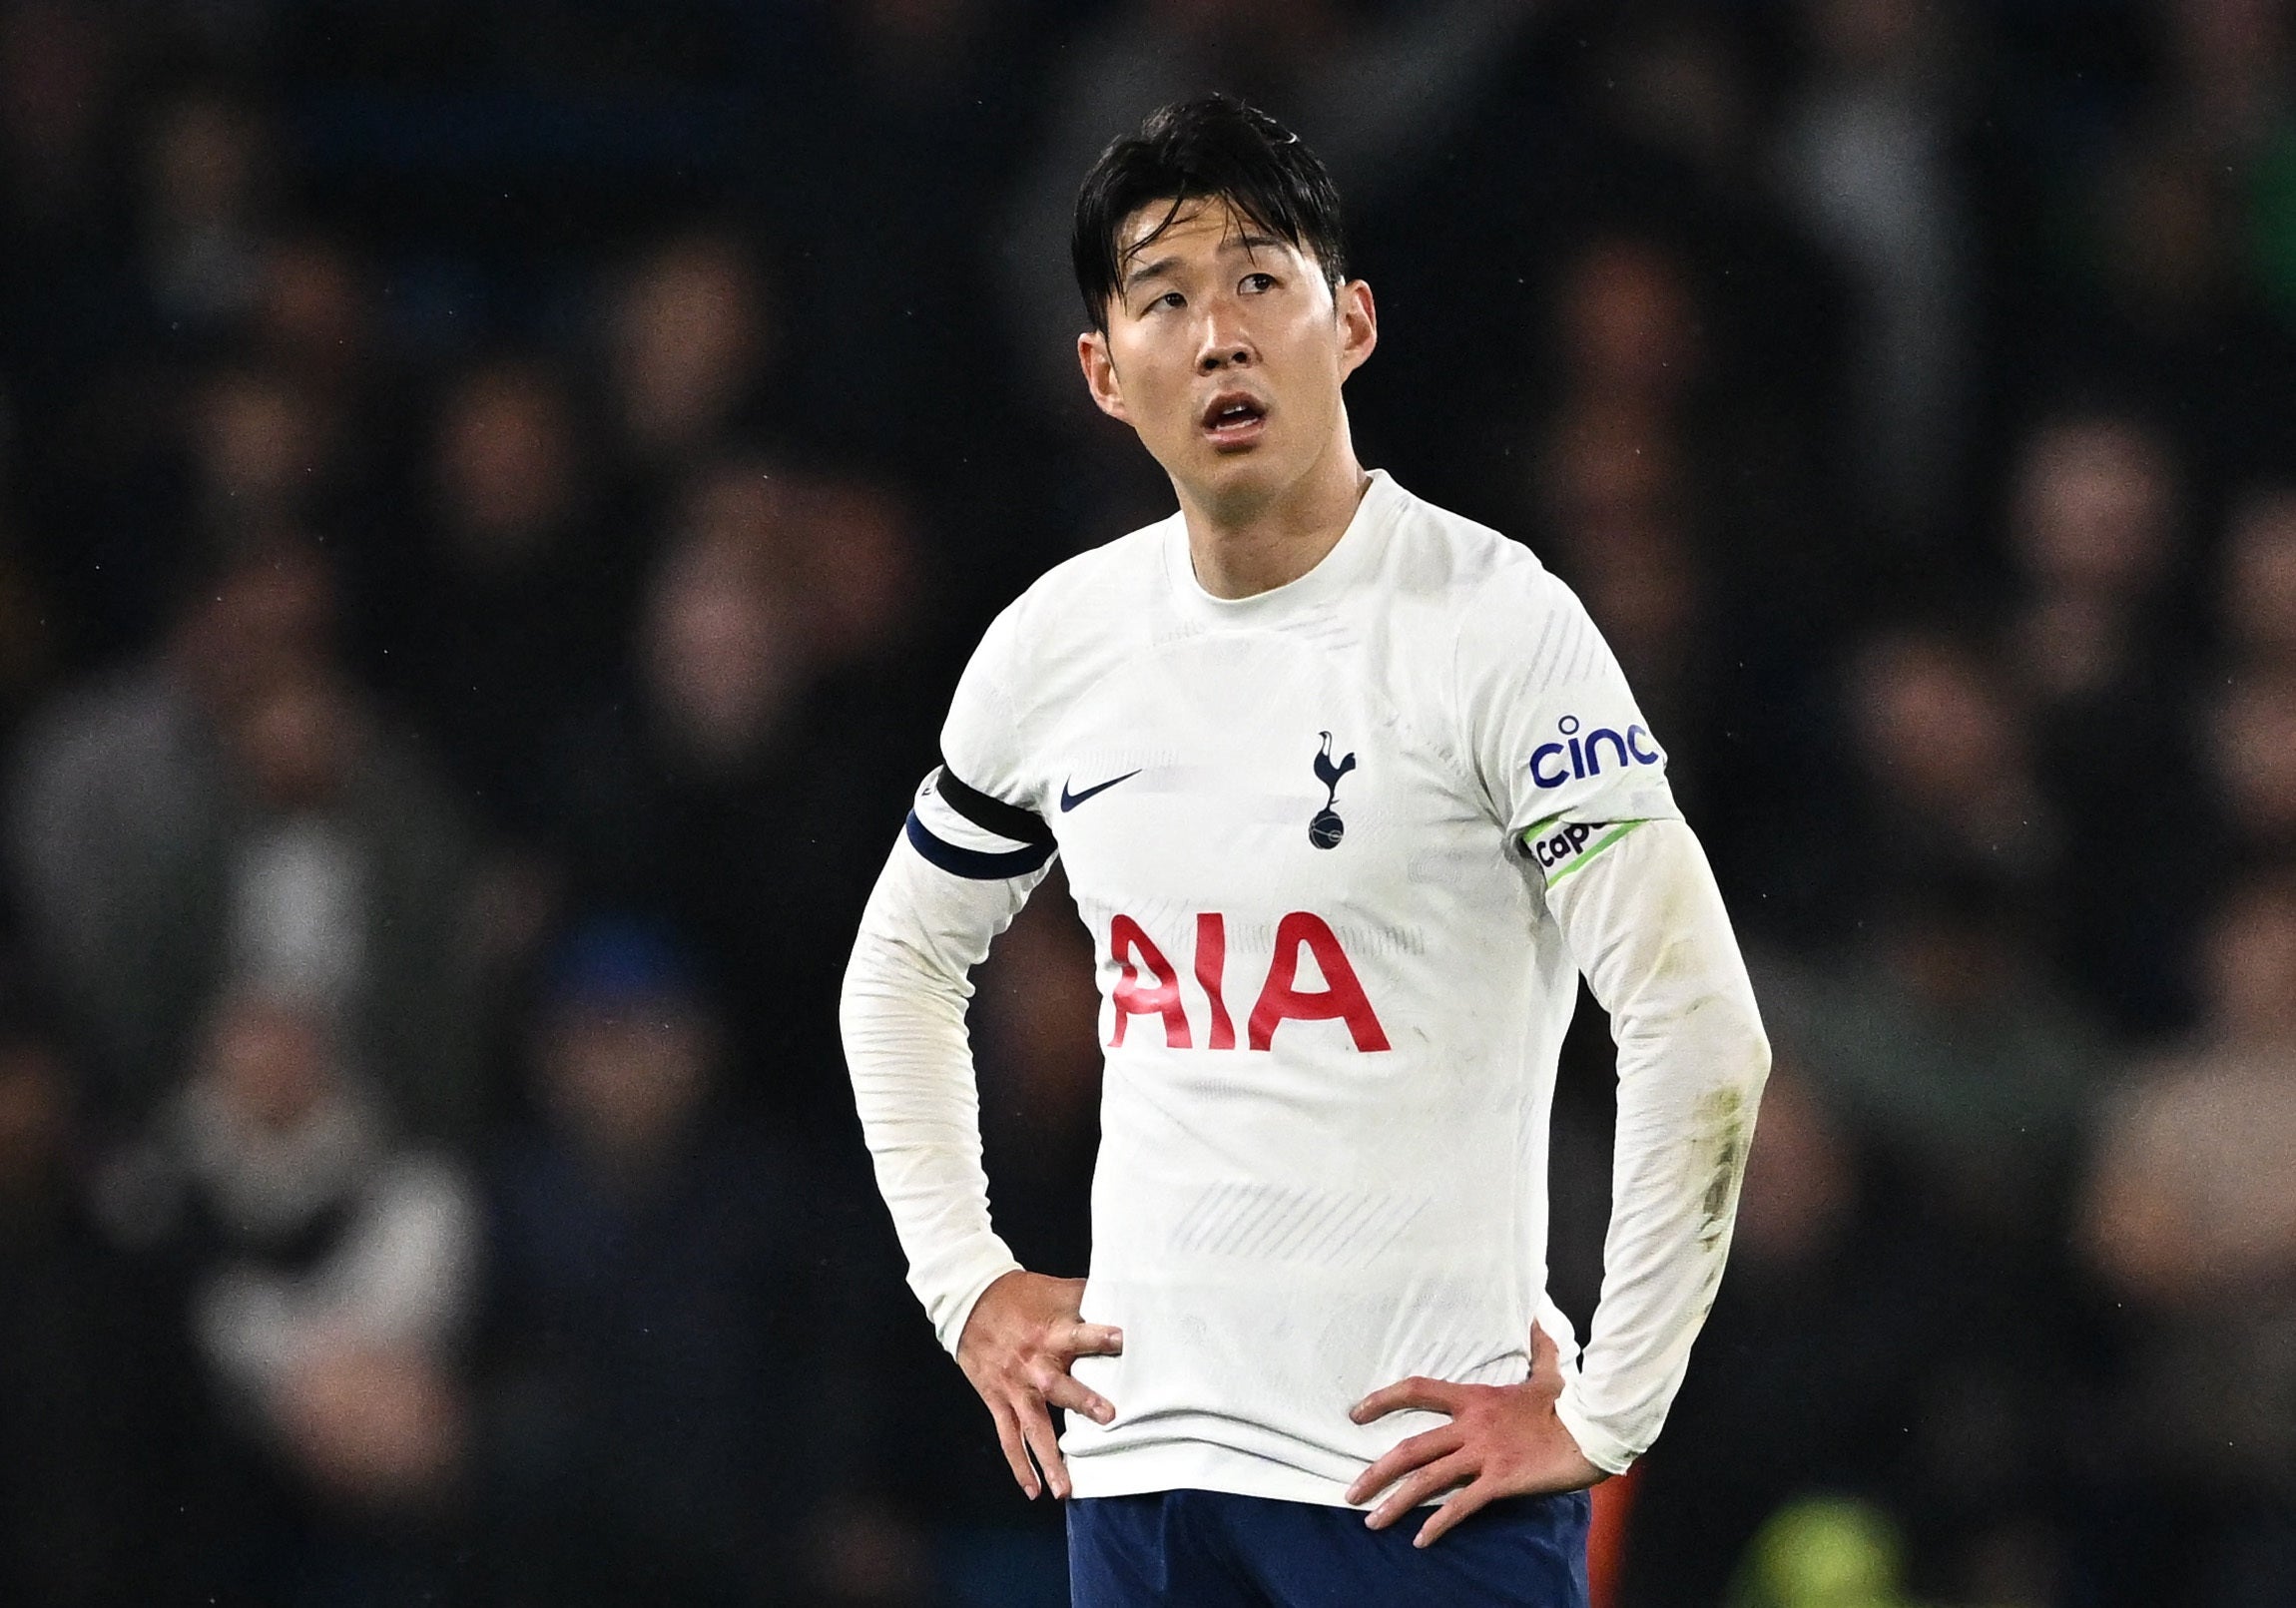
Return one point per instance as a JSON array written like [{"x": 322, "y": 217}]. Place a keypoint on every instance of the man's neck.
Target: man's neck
[{"x": 1240, "y": 552}]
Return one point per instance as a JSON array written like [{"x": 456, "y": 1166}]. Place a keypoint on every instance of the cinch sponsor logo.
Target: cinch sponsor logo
[
  {"x": 1553, "y": 763},
  {"x": 1147, "y": 984}
]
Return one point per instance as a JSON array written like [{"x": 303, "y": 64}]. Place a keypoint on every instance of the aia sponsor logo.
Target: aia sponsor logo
[
  {"x": 1553, "y": 763},
  {"x": 1148, "y": 984}
]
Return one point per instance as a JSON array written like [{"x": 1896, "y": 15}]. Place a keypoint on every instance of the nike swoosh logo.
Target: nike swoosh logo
[{"x": 1069, "y": 800}]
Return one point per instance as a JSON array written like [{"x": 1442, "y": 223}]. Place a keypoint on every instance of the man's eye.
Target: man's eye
[
  {"x": 1259, "y": 281},
  {"x": 1173, "y": 296}
]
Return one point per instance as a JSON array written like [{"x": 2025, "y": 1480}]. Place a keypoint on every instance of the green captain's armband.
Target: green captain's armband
[{"x": 1560, "y": 847}]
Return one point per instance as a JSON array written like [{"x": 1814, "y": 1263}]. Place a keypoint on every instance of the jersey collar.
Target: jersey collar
[{"x": 1376, "y": 514}]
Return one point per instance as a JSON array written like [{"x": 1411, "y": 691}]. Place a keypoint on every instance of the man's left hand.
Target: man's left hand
[{"x": 1502, "y": 1440}]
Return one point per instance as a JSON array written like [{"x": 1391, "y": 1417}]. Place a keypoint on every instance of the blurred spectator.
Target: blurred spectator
[
  {"x": 723, "y": 643},
  {"x": 2250, "y": 715},
  {"x": 116, "y": 785},
  {"x": 1800, "y": 1203},
  {"x": 2229, "y": 64},
  {"x": 689, "y": 335},
  {"x": 2169, "y": 1217},
  {"x": 314, "y": 321},
  {"x": 59, "y": 75},
  {"x": 2168, "y": 303},
  {"x": 2253, "y": 734},
  {"x": 312, "y": 313},
  {"x": 1683, "y": 88},
  {"x": 344, "y": 882},
  {"x": 2168, "y": 247},
  {"x": 330, "y": 1271},
  {"x": 2098, "y": 524},
  {"x": 1686, "y": 527},
  {"x": 2257, "y": 593},
  {"x": 854, "y": 562},
  {"x": 1945, "y": 1044},
  {"x": 1629, "y": 328},
  {"x": 2190, "y": 1217},
  {"x": 206, "y": 173},
  {"x": 1941, "y": 739},
  {"x": 671, "y": 1411},
  {"x": 717, "y": 791},
  {"x": 511, "y": 609},
  {"x": 228, "y": 811},
  {"x": 1867, "y": 159},
  {"x": 261, "y": 453}
]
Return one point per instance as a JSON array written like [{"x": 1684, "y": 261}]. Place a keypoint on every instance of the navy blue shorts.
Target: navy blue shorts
[{"x": 1208, "y": 1549}]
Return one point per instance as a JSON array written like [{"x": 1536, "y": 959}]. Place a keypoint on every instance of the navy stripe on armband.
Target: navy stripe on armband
[
  {"x": 992, "y": 815},
  {"x": 977, "y": 865}
]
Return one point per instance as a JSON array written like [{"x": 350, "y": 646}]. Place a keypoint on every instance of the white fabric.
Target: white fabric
[
  {"x": 1323, "y": 1159},
  {"x": 903, "y": 1021},
  {"x": 404, "y": 1275},
  {"x": 1645, "y": 923}
]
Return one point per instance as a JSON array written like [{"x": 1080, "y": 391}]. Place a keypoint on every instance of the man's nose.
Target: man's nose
[{"x": 1224, "y": 346}]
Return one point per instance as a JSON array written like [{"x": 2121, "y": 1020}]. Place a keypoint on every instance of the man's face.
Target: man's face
[{"x": 1225, "y": 350}]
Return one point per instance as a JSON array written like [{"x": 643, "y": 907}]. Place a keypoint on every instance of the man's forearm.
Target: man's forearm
[
  {"x": 1646, "y": 924},
  {"x": 902, "y": 1016}
]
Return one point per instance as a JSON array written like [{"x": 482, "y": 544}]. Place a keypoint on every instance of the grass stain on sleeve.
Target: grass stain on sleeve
[{"x": 1721, "y": 1129}]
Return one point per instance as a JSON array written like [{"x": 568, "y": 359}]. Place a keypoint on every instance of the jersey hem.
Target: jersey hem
[{"x": 1204, "y": 1468}]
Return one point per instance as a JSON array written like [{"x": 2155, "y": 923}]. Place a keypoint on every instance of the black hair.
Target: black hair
[{"x": 1214, "y": 147}]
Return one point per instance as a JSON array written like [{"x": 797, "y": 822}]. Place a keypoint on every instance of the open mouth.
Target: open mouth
[{"x": 1234, "y": 420}]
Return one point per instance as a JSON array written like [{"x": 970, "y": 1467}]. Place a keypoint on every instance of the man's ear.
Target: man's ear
[
  {"x": 1359, "y": 325},
  {"x": 1101, "y": 374}
]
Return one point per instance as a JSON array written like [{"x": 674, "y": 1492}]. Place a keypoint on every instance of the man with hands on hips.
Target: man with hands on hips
[{"x": 1349, "y": 792}]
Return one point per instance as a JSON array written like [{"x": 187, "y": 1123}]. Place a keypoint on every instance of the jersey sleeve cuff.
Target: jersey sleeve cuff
[
  {"x": 1600, "y": 1448},
  {"x": 954, "y": 1309}
]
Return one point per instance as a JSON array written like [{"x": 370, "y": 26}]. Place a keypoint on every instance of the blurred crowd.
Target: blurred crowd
[{"x": 493, "y": 498}]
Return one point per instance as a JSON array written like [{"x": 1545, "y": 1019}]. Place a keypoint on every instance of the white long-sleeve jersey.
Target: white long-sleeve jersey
[{"x": 1344, "y": 849}]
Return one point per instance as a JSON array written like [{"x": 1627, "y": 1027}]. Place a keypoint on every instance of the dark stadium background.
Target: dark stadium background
[{"x": 494, "y": 499}]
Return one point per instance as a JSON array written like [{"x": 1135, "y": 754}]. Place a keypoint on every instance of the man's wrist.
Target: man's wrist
[
  {"x": 1596, "y": 1445},
  {"x": 952, "y": 1311}
]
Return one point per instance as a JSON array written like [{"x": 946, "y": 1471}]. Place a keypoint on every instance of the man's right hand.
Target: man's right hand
[{"x": 1016, "y": 1347}]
